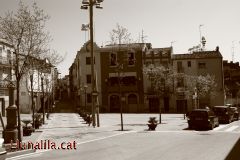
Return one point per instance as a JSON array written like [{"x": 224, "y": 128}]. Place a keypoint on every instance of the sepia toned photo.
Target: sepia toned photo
[{"x": 119, "y": 80}]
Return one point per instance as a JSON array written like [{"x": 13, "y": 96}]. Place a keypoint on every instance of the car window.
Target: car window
[
  {"x": 211, "y": 113},
  {"x": 218, "y": 109},
  {"x": 199, "y": 114}
]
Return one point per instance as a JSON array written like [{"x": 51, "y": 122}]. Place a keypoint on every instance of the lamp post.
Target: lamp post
[
  {"x": 43, "y": 103},
  {"x": 119, "y": 68},
  {"x": 31, "y": 72},
  {"x": 47, "y": 94},
  {"x": 195, "y": 97},
  {"x": 85, "y": 94},
  {"x": 89, "y": 4}
]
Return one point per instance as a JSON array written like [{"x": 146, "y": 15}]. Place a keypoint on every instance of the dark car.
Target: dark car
[
  {"x": 235, "y": 113},
  {"x": 202, "y": 118},
  {"x": 224, "y": 113}
]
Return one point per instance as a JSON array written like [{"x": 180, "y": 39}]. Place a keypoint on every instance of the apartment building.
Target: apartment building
[
  {"x": 6, "y": 53},
  {"x": 42, "y": 73},
  {"x": 122, "y": 78},
  {"x": 232, "y": 82},
  {"x": 80, "y": 76},
  {"x": 195, "y": 64}
]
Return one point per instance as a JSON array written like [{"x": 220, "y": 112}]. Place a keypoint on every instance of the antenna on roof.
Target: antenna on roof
[
  {"x": 233, "y": 51},
  {"x": 143, "y": 37},
  {"x": 85, "y": 28},
  {"x": 172, "y": 43}
]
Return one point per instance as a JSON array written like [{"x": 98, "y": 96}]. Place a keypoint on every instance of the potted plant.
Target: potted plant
[
  {"x": 27, "y": 130},
  {"x": 152, "y": 123}
]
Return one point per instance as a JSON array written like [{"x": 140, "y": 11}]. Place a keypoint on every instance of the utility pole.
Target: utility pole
[
  {"x": 120, "y": 67},
  {"x": 90, "y": 4},
  {"x": 233, "y": 50},
  {"x": 92, "y": 62},
  {"x": 200, "y": 32}
]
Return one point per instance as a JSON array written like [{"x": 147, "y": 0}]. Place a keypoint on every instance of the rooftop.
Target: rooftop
[{"x": 198, "y": 55}]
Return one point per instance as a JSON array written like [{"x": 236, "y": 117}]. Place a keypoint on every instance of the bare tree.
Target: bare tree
[
  {"x": 24, "y": 30},
  {"x": 53, "y": 57},
  {"x": 120, "y": 35}
]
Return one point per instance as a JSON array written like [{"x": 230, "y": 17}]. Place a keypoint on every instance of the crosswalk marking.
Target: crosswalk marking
[{"x": 231, "y": 128}]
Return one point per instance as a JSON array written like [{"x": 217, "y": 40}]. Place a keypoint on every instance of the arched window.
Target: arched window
[{"x": 132, "y": 99}]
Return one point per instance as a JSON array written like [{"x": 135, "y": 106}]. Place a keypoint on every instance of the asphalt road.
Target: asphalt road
[{"x": 171, "y": 141}]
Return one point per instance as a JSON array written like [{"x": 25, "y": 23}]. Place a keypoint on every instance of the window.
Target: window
[
  {"x": 189, "y": 64},
  {"x": 89, "y": 98},
  {"x": 147, "y": 63},
  {"x": 179, "y": 67},
  {"x": 113, "y": 81},
  {"x": 129, "y": 80},
  {"x": 8, "y": 56},
  {"x": 113, "y": 59},
  {"x": 201, "y": 65},
  {"x": 165, "y": 64},
  {"x": 88, "y": 60},
  {"x": 180, "y": 82},
  {"x": 131, "y": 58},
  {"x": 89, "y": 78}
]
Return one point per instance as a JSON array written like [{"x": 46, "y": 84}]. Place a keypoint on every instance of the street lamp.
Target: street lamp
[
  {"x": 47, "y": 94},
  {"x": 195, "y": 97},
  {"x": 85, "y": 93},
  {"x": 119, "y": 68},
  {"x": 43, "y": 103},
  {"x": 89, "y": 4},
  {"x": 31, "y": 72}
]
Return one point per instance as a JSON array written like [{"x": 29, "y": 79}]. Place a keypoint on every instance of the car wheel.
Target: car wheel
[
  {"x": 211, "y": 126},
  {"x": 229, "y": 120},
  {"x": 189, "y": 126}
]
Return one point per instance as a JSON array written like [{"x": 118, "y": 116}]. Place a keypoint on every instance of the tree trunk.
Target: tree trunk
[{"x": 18, "y": 112}]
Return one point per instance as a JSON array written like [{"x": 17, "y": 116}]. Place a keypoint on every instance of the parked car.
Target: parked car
[
  {"x": 235, "y": 113},
  {"x": 202, "y": 118},
  {"x": 224, "y": 113}
]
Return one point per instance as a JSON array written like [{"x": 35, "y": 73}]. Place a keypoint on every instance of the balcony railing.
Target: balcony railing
[
  {"x": 3, "y": 84},
  {"x": 4, "y": 61}
]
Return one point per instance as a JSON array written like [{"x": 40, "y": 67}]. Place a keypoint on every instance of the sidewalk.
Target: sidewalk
[{"x": 32, "y": 138}]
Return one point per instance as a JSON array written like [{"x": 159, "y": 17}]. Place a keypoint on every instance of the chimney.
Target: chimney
[{"x": 217, "y": 48}]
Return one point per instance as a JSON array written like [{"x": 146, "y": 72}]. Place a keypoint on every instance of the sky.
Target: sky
[{"x": 162, "y": 22}]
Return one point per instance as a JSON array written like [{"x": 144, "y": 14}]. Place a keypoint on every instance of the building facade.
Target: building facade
[
  {"x": 40, "y": 69},
  {"x": 157, "y": 57},
  {"x": 196, "y": 64},
  {"x": 6, "y": 54},
  {"x": 122, "y": 84},
  {"x": 122, "y": 78},
  {"x": 80, "y": 76},
  {"x": 232, "y": 82}
]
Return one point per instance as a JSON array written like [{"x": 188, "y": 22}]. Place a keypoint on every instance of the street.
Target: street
[{"x": 171, "y": 140}]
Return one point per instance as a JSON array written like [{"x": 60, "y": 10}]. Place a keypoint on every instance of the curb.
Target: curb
[{"x": 18, "y": 153}]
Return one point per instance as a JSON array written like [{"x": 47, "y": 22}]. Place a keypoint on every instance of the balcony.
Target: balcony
[
  {"x": 5, "y": 61},
  {"x": 180, "y": 93},
  {"x": 3, "y": 84}
]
